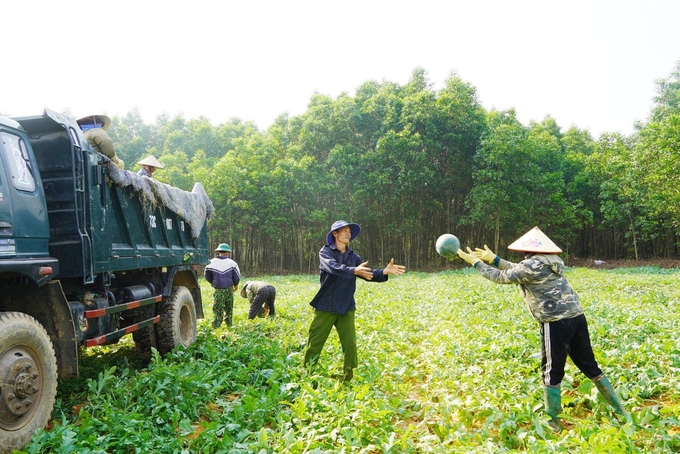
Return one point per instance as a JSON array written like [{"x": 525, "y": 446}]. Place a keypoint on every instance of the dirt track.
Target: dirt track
[{"x": 625, "y": 263}]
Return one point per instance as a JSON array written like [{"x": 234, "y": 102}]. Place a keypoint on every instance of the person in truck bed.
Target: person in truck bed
[
  {"x": 94, "y": 128},
  {"x": 149, "y": 166}
]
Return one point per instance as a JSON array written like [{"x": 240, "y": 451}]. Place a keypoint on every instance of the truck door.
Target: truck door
[
  {"x": 7, "y": 246},
  {"x": 24, "y": 228}
]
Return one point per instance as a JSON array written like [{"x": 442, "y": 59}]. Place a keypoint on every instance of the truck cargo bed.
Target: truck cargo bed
[{"x": 103, "y": 219}]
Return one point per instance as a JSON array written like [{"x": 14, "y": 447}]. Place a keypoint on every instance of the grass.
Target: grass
[{"x": 449, "y": 362}]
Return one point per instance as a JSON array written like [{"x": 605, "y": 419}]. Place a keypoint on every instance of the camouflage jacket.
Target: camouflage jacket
[
  {"x": 250, "y": 289},
  {"x": 546, "y": 291}
]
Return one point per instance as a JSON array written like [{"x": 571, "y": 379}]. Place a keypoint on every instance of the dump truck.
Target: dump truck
[{"x": 88, "y": 254}]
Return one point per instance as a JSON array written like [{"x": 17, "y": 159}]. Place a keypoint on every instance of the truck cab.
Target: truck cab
[{"x": 24, "y": 226}]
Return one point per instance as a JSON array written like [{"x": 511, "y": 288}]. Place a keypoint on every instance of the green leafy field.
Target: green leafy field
[{"x": 449, "y": 362}]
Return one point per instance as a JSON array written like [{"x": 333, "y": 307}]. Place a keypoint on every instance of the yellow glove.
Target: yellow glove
[
  {"x": 485, "y": 254},
  {"x": 468, "y": 256}
]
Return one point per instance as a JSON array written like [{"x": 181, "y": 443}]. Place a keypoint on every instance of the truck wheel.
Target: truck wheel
[
  {"x": 178, "y": 320},
  {"x": 28, "y": 374}
]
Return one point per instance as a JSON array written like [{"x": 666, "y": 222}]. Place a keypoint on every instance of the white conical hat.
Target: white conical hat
[
  {"x": 151, "y": 161},
  {"x": 535, "y": 241}
]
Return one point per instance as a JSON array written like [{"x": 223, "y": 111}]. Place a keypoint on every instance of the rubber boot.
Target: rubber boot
[
  {"x": 216, "y": 323},
  {"x": 349, "y": 374},
  {"x": 229, "y": 321},
  {"x": 553, "y": 406},
  {"x": 611, "y": 396}
]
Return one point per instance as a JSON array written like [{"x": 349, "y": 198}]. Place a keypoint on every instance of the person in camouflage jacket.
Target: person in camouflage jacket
[{"x": 556, "y": 307}]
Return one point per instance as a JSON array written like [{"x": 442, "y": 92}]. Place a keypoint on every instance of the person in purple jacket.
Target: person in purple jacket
[
  {"x": 334, "y": 303},
  {"x": 224, "y": 275}
]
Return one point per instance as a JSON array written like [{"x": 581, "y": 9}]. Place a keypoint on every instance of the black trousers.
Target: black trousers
[
  {"x": 265, "y": 295},
  {"x": 566, "y": 338}
]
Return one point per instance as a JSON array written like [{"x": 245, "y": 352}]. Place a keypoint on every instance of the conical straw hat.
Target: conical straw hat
[
  {"x": 535, "y": 241},
  {"x": 151, "y": 161}
]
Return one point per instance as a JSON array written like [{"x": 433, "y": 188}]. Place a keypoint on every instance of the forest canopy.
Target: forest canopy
[{"x": 410, "y": 162}]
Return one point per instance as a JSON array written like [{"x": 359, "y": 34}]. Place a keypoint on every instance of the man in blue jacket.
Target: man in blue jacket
[{"x": 334, "y": 303}]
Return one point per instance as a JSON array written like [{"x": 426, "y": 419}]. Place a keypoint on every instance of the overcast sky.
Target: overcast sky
[{"x": 590, "y": 63}]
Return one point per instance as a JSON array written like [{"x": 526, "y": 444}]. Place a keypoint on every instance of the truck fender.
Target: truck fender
[
  {"x": 185, "y": 276},
  {"x": 49, "y": 306}
]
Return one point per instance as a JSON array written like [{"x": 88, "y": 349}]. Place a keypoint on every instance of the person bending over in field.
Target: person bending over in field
[
  {"x": 261, "y": 296},
  {"x": 334, "y": 303},
  {"x": 555, "y": 305}
]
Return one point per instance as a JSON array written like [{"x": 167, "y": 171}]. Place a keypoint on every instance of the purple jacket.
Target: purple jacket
[{"x": 222, "y": 272}]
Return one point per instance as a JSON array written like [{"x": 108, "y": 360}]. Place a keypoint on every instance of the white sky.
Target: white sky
[{"x": 587, "y": 63}]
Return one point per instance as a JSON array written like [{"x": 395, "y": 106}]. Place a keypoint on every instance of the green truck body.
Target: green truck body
[{"x": 88, "y": 254}]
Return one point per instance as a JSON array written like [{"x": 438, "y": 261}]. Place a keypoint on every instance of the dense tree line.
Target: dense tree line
[{"x": 410, "y": 163}]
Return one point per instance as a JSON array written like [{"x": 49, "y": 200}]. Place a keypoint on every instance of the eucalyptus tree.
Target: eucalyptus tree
[
  {"x": 504, "y": 172},
  {"x": 406, "y": 174},
  {"x": 613, "y": 168},
  {"x": 223, "y": 182},
  {"x": 176, "y": 170},
  {"x": 667, "y": 100},
  {"x": 132, "y": 137},
  {"x": 551, "y": 207},
  {"x": 582, "y": 188},
  {"x": 657, "y": 153},
  {"x": 461, "y": 124}
]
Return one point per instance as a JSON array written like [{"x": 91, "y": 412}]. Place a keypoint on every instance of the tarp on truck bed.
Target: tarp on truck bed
[{"x": 195, "y": 206}]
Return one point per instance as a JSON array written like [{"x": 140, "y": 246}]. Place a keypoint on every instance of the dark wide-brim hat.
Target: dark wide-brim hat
[
  {"x": 102, "y": 120},
  {"x": 354, "y": 228}
]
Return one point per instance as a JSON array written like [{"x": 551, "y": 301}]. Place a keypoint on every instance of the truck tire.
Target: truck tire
[
  {"x": 28, "y": 374},
  {"x": 178, "y": 321}
]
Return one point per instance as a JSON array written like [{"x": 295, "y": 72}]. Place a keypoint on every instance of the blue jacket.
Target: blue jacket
[
  {"x": 222, "y": 272},
  {"x": 338, "y": 282}
]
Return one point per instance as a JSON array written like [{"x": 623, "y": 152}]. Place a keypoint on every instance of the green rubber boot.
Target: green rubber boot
[
  {"x": 553, "y": 406},
  {"x": 611, "y": 396}
]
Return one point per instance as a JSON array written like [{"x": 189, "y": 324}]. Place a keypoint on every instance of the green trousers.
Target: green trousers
[
  {"x": 318, "y": 334},
  {"x": 223, "y": 306}
]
